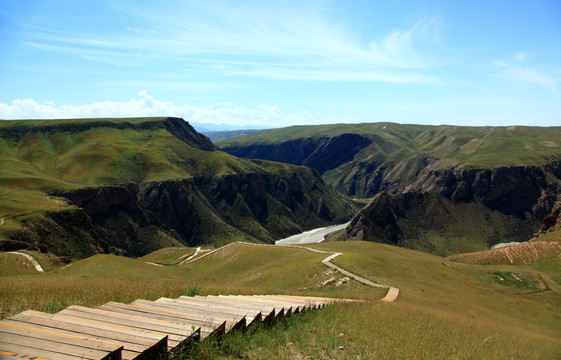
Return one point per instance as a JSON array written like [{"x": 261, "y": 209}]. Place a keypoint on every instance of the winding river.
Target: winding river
[{"x": 312, "y": 236}]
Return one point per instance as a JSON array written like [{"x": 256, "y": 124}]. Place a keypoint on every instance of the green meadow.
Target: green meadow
[{"x": 445, "y": 309}]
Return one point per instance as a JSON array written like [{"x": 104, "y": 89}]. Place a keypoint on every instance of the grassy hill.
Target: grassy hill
[
  {"x": 399, "y": 151},
  {"x": 445, "y": 309},
  {"x": 130, "y": 186}
]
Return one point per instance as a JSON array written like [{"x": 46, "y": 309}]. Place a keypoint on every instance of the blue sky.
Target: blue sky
[{"x": 266, "y": 63}]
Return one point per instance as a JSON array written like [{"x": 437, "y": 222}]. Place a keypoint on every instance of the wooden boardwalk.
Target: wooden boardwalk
[{"x": 140, "y": 330}]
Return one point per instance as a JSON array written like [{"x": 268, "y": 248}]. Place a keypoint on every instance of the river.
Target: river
[{"x": 312, "y": 236}]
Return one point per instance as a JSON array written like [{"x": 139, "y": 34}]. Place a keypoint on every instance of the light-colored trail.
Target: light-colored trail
[
  {"x": 151, "y": 263},
  {"x": 192, "y": 256},
  {"x": 30, "y": 258},
  {"x": 1, "y": 221},
  {"x": 391, "y": 295}
]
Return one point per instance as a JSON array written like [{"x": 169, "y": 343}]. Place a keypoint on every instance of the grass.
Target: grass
[
  {"x": 13, "y": 264},
  {"x": 102, "y": 278},
  {"x": 379, "y": 331},
  {"x": 554, "y": 235},
  {"x": 445, "y": 309}
]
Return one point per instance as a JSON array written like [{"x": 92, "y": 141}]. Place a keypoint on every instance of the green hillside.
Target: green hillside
[
  {"x": 445, "y": 309},
  {"x": 131, "y": 186},
  {"x": 400, "y": 151}
]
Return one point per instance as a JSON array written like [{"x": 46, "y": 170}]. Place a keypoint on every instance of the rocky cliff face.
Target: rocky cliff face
[
  {"x": 476, "y": 207},
  {"x": 135, "y": 219}
]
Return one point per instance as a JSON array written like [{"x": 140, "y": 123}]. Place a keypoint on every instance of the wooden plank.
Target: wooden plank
[
  {"x": 205, "y": 328},
  {"x": 250, "y": 315},
  {"x": 300, "y": 305},
  {"x": 29, "y": 332},
  {"x": 29, "y": 351},
  {"x": 10, "y": 355},
  {"x": 176, "y": 333},
  {"x": 297, "y": 305},
  {"x": 269, "y": 313},
  {"x": 178, "y": 327},
  {"x": 130, "y": 351},
  {"x": 143, "y": 337},
  {"x": 133, "y": 341},
  {"x": 56, "y": 347},
  {"x": 175, "y": 336},
  {"x": 204, "y": 315},
  {"x": 280, "y": 309},
  {"x": 234, "y": 314},
  {"x": 224, "y": 302},
  {"x": 238, "y": 302}
]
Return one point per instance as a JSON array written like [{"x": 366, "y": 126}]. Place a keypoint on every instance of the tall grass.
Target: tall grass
[{"x": 378, "y": 331}]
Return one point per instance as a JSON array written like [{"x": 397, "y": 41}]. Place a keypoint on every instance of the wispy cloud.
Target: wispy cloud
[
  {"x": 522, "y": 71},
  {"x": 521, "y": 56},
  {"x": 288, "y": 41},
  {"x": 146, "y": 105}
]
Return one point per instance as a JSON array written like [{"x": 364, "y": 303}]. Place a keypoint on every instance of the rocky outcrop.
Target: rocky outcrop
[
  {"x": 431, "y": 222},
  {"x": 551, "y": 222},
  {"x": 518, "y": 191},
  {"x": 135, "y": 219}
]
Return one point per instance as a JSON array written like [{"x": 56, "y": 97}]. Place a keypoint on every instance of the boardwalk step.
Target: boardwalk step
[
  {"x": 207, "y": 329},
  {"x": 142, "y": 329},
  {"x": 136, "y": 344},
  {"x": 177, "y": 332}
]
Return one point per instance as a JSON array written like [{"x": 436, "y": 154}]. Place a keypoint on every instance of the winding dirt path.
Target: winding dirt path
[
  {"x": 30, "y": 258},
  {"x": 391, "y": 295}
]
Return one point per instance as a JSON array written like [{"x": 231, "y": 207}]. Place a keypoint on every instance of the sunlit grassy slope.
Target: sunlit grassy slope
[
  {"x": 468, "y": 146},
  {"x": 445, "y": 309},
  {"x": 63, "y": 154}
]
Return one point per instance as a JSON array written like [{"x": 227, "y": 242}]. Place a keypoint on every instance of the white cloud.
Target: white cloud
[
  {"x": 526, "y": 74},
  {"x": 145, "y": 105},
  {"x": 280, "y": 42}
]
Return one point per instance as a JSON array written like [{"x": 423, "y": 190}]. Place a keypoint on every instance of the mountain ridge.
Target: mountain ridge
[
  {"x": 144, "y": 183},
  {"x": 438, "y": 176}
]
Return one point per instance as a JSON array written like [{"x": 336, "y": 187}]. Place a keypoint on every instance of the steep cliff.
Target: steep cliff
[
  {"x": 461, "y": 210},
  {"x": 131, "y": 186},
  {"x": 441, "y": 189}
]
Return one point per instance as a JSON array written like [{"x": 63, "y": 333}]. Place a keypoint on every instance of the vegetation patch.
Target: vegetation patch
[
  {"x": 169, "y": 255},
  {"x": 511, "y": 279}
]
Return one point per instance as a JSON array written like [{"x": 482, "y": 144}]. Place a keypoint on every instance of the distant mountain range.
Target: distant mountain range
[{"x": 442, "y": 189}]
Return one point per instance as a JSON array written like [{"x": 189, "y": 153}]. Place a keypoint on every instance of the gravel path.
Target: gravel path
[{"x": 30, "y": 258}]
